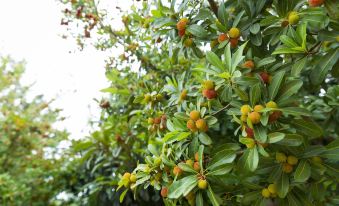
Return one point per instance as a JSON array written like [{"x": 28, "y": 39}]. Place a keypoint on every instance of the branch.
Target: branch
[
  {"x": 213, "y": 6},
  {"x": 225, "y": 107}
]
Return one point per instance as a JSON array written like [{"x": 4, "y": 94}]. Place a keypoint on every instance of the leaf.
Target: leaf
[
  {"x": 122, "y": 196},
  {"x": 199, "y": 200},
  {"x": 288, "y": 41},
  {"x": 186, "y": 167},
  {"x": 214, "y": 60},
  {"x": 260, "y": 134},
  {"x": 251, "y": 197},
  {"x": 237, "y": 57},
  {"x": 288, "y": 89},
  {"x": 283, "y": 185},
  {"x": 250, "y": 159},
  {"x": 221, "y": 158},
  {"x": 221, "y": 170},
  {"x": 255, "y": 94},
  {"x": 309, "y": 128},
  {"x": 182, "y": 186},
  {"x": 265, "y": 61},
  {"x": 296, "y": 111},
  {"x": 205, "y": 139},
  {"x": 275, "y": 137},
  {"x": 116, "y": 91},
  {"x": 275, "y": 84},
  {"x": 255, "y": 28},
  {"x": 286, "y": 50},
  {"x": 222, "y": 14},
  {"x": 197, "y": 30},
  {"x": 332, "y": 151},
  {"x": 301, "y": 32},
  {"x": 200, "y": 154},
  {"x": 298, "y": 66},
  {"x": 212, "y": 197},
  {"x": 228, "y": 57},
  {"x": 291, "y": 140},
  {"x": 303, "y": 171}
]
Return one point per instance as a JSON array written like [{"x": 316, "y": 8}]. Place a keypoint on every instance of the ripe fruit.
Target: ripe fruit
[
  {"x": 177, "y": 171},
  {"x": 202, "y": 184},
  {"x": 157, "y": 120},
  {"x": 191, "y": 125},
  {"x": 164, "y": 192},
  {"x": 133, "y": 178},
  {"x": 222, "y": 37},
  {"x": 249, "y": 132},
  {"x": 254, "y": 117},
  {"x": 314, "y": 3},
  {"x": 195, "y": 115},
  {"x": 201, "y": 125},
  {"x": 293, "y": 18},
  {"x": 243, "y": 117},
  {"x": 126, "y": 176},
  {"x": 274, "y": 116},
  {"x": 245, "y": 109},
  {"x": 234, "y": 33},
  {"x": 292, "y": 160},
  {"x": 208, "y": 84},
  {"x": 196, "y": 156},
  {"x": 189, "y": 162},
  {"x": 181, "y": 33},
  {"x": 249, "y": 64},
  {"x": 181, "y": 25},
  {"x": 265, "y": 77},
  {"x": 265, "y": 193},
  {"x": 287, "y": 168},
  {"x": 196, "y": 166},
  {"x": 234, "y": 42},
  {"x": 271, "y": 105},
  {"x": 272, "y": 188},
  {"x": 258, "y": 108},
  {"x": 188, "y": 42},
  {"x": 209, "y": 93},
  {"x": 284, "y": 23},
  {"x": 150, "y": 120},
  {"x": 280, "y": 157}
]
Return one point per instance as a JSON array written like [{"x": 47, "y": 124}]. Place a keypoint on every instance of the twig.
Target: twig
[
  {"x": 225, "y": 107},
  {"x": 213, "y": 6}
]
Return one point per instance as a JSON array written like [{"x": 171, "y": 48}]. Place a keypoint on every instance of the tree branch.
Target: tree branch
[{"x": 213, "y": 6}]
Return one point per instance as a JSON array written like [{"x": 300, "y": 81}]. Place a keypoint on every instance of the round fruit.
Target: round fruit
[
  {"x": 271, "y": 105},
  {"x": 177, "y": 171},
  {"x": 164, "y": 192},
  {"x": 195, "y": 115},
  {"x": 202, "y": 184},
  {"x": 314, "y": 3},
  {"x": 280, "y": 157},
  {"x": 133, "y": 178},
  {"x": 189, "y": 162},
  {"x": 222, "y": 37},
  {"x": 150, "y": 120},
  {"x": 249, "y": 64},
  {"x": 258, "y": 108},
  {"x": 234, "y": 42},
  {"x": 126, "y": 176},
  {"x": 254, "y": 117},
  {"x": 272, "y": 188},
  {"x": 188, "y": 42},
  {"x": 181, "y": 33},
  {"x": 181, "y": 25},
  {"x": 265, "y": 77},
  {"x": 265, "y": 193},
  {"x": 157, "y": 120},
  {"x": 126, "y": 183},
  {"x": 292, "y": 160},
  {"x": 183, "y": 94},
  {"x": 293, "y": 18},
  {"x": 245, "y": 109},
  {"x": 284, "y": 23},
  {"x": 147, "y": 98},
  {"x": 274, "y": 116},
  {"x": 208, "y": 84},
  {"x": 234, "y": 33},
  {"x": 157, "y": 161},
  {"x": 317, "y": 160},
  {"x": 191, "y": 125},
  {"x": 287, "y": 168},
  {"x": 196, "y": 166},
  {"x": 243, "y": 118},
  {"x": 209, "y": 93},
  {"x": 201, "y": 125},
  {"x": 196, "y": 156},
  {"x": 249, "y": 132}
]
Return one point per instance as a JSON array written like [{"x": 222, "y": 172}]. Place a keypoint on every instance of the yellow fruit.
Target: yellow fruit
[
  {"x": 183, "y": 94},
  {"x": 271, "y": 105},
  {"x": 317, "y": 160},
  {"x": 258, "y": 108},
  {"x": 181, "y": 25},
  {"x": 272, "y": 188},
  {"x": 147, "y": 98},
  {"x": 201, "y": 125},
  {"x": 202, "y": 184},
  {"x": 265, "y": 193},
  {"x": 157, "y": 161},
  {"x": 234, "y": 33},
  {"x": 191, "y": 125},
  {"x": 287, "y": 168},
  {"x": 150, "y": 120},
  {"x": 280, "y": 157},
  {"x": 189, "y": 162},
  {"x": 292, "y": 160},
  {"x": 126, "y": 176},
  {"x": 195, "y": 115},
  {"x": 133, "y": 178},
  {"x": 208, "y": 84},
  {"x": 243, "y": 117},
  {"x": 196, "y": 166},
  {"x": 188, "y": 42},
  {"x": 293, "y": 18},
  {"x": 245, "y": 109},
  {"x": 222, "y": 37},
  {"x": 254, "y": 117}
]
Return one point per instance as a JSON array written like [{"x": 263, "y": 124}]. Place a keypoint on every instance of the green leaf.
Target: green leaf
[
  {"x": 222, "y": 14},
  {"x": 275, "y": 137},
  {"x": 237, "y": 57},
  {"x": 307, "y": 127},
  {"x": 296, "y": 111},
  {"x": 214, "y": 60},
  {"x": 186, "y": 167},
  {"x": 283, "y": 185},
  {"x": 228, "y": 58},
  {"x": 291, "y": 140},
  {"x": 250, "y": 159},
  {"x": 212, "y": 196},
  {"x": 182, "y": 186},
  {"x": 221, "y": 170},
  {"x": 221, "y": 158},
  {"x": 205, "y": 139},
  {"x": 288, "y": 89},
  {"x": 197, "y": 31},
  {"x": 260, "y": 134},
  {"x": 288, "y": 41},
  {"x": 123, "y": 194},
  {"x": 298, "y": 66},
  {"x": 332, "y": 151},
  {"x": 116, "y": 91},
  {"x": 255, "y": 94},
  {"x": 303, "y": 171},
  {"x": 200, "y": 154},
  {"x": 265, "y": 61},
  {"x": 251, "y": 197},
  {"x": 199, "y": 200},
  {"x": 301, "y": 32},
  {"x": 286, "y": 50},
  {"x": 275, "y": 84},
  {"x": 255, "y": 28}
]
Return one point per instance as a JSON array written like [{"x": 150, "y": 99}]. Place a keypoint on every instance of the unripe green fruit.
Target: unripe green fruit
[
  {"x": 234, "y": 33},
  {"x": 183, "y": 94},
  {"x": 189, "y": 162},
  {"x": 292, "y": 160},
  {"x": 293, "y": 18},
  {"x": 157, "y": 161},
  {"x": 245, "y": 109},
  {"x": 147, "y": 98},
  {"x": 280, "y": 157},
  {"x": 265, "y": 193},
  {"x": 133, "y": 178},
  {"x": 201, "y": 125},
  {"x": 337, "y": 38},
  {"x": 271, "y": 105},
  {"x": 213, "y": 43},
  {"x": 272, "y": 188},
  {"x": 254, "y": 117},
  {"x": 195, "y": 115},
  {"x": 159, "y": 97},
  {"x": 317, "y": 160},
  {"x": 188, "y": 42},
  {"x": 243, "y": 117},
  {"x": 202, "y": 184}
]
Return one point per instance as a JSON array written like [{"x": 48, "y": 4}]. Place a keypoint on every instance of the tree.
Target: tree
[
  {"x": 234, "y": 103},
  {"x": 28, "y": 142}
]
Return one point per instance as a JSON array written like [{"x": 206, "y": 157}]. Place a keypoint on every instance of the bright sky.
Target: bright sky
[{"x": 31, "y": 30}]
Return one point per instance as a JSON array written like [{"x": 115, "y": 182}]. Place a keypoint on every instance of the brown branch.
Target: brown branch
[
  {"x": 225, "y": 107},
  {"x": 214, "y": 7}
]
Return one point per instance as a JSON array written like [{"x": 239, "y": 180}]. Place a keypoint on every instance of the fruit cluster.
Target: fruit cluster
[
  {"x": 233, "y": 36},
  {"x": 128, "y": 179},
  {"x": 208, "y": 89},
  {"x": 287, "y": 161},
  {"x": 181, "y": 26},
  {"x": 196, "y": 123},
  {"x": 270, "y": 191},
  {"x": 157, "y": 123}
]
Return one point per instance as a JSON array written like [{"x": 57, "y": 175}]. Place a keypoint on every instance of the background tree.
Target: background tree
[{"x": 233, "y": 103}]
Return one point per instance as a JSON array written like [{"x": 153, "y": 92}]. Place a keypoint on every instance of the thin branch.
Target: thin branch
[
  {"x": 213, "y": 6},
  {"x": 225, "y": 107}
]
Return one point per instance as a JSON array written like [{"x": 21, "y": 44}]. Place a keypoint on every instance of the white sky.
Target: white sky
[{"x": 30, "y": 30}]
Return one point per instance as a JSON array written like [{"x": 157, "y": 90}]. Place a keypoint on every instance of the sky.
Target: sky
[{"x": 31, "y": 30}]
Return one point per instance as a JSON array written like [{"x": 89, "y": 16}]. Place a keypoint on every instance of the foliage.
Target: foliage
[{"x": 261, "y": 78}]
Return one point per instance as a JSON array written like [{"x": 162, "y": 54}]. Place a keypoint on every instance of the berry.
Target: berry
[
  {"x": 177, "y": 171},
  {"x": 189, "y": 162},
  {"x": 258, "y": 108},
  {"x": 254, "y": 117},
  {"x": 150, "y": 120},
  {"x": 234, "y": 33},
  {"x": 292, "y": 160},
  {"x": 249, "y": 64},
  {"x": 271, "y": 105},
  {"x": 314, "y": 3},
  {"x": 202, "y": 184},
  {"x": 265, "y": 77},
  {"x": 287, "y": 168},
  {"x": 317, "y": 160},
  {"x": 249, "y": 132},
  {"x": 208, "y": 84},
  {"x": 181, "y": 25},
  {"x": 133, "y": 178},
  {"x": 196, "y": 166},
  {"x": 126, "y": 176},
  {"x": 293, "y": 18},
  {"x": 274, "y": 116},
  {"x": 284, "y": 23},
  {"x": 188, "y": 42},
  {"x": 222, "y": 37},
  {"x": 201, "y": 125},
  {"x": 234, "y": 42},
  {"x": 245, "y": 109},
  {"x": 195, "y": 115},
  {"x": 209, "y": 93},
  {"x": 181, "y": 33},
  {"x": 147, "y": 98},
  {"x": 280, "y": 157},
  {"x": 164, "y": 192},
  {"x": 272, "y": 188},
  {"x": 157, "y": 120},
  {"x": 183, "y": 94},
  {"x": 265, "y": 193},
  {"x": 191, "y": 125}
]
